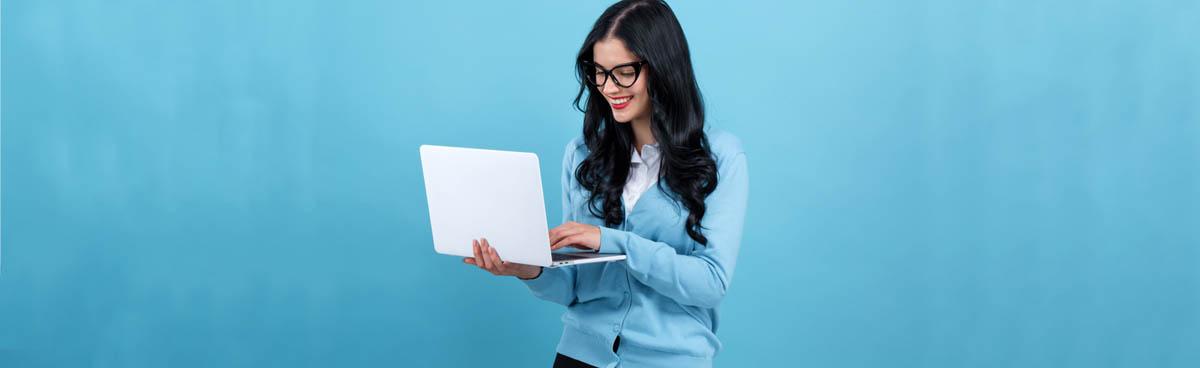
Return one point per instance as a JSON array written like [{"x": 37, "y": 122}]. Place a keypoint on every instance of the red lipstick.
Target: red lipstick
[{"x": 623, "y": 104}]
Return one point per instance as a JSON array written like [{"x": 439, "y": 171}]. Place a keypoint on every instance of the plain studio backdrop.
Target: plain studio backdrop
[{"x": 933, "y": 183}]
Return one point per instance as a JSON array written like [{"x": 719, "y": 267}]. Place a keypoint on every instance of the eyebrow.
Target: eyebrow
[{"x": 614, "y": 66}]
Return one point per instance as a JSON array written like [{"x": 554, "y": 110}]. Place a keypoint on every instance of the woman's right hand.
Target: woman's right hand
[{"x": 487, "y": 259}]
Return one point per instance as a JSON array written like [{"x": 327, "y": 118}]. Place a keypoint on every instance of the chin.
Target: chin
[{"x": 622, "y": 118}]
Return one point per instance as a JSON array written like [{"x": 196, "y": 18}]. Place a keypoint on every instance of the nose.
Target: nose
[{"x": 610, "y": 88}]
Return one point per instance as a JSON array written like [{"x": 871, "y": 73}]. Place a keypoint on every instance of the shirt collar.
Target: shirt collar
[{"x": 649, "y": 153}]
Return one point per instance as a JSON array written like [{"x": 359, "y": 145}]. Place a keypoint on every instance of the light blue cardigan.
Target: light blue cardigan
[{"x": 663, "y": 300}]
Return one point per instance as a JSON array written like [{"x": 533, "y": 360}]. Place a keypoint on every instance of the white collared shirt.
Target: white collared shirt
[{"x": 643, "y": 173}]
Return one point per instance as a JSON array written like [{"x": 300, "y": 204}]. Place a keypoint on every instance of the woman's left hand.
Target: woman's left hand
[{"x": 582, "y": 236}]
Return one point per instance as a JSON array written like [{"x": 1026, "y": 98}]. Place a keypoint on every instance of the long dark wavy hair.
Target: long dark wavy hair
[{"x": 651, "y": 31}]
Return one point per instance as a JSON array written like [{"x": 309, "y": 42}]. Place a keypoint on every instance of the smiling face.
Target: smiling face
[{"x": 627, "y": 103}]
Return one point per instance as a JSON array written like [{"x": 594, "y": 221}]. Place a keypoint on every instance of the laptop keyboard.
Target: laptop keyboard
[{"x": 567, "y": 256}]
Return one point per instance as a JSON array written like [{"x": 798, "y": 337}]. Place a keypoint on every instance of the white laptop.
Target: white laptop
[{"x": 475, "y": 193}]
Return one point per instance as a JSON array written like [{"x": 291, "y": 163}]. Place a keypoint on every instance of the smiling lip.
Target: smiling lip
[{"x": 623, "y": 104}]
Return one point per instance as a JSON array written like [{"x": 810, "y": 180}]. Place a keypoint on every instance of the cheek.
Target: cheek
[
  {"x": 643, "y": 98},
  {"x": 643, "y": 107}
]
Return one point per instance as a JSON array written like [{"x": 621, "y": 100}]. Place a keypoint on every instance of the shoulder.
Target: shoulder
[
  {"x": 730, "y": 158},
  {"x": 575, "y": 152},
  {"x": 724, "y": 145},
  {"x": 576, "y": 144}
]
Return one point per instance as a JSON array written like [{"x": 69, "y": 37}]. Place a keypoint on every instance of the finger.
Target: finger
[
  {"x": 469, "y": 260},
  {"x": 576, "y": 241},
  {"x": 554, "y": 233},
  {"x": 565, "y": 234},
  {"x": 493, "y": 258},
  {"x": 478, "y": 253},
  {"x": 561, "y": 243},
  {"x": 557, "y": 232},
  {"x": 483, "y": 245},
  {"x": 496, "y": 262}
]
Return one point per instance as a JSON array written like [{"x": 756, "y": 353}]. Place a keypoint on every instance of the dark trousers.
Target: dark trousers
[{"x": 563, "y": 361}]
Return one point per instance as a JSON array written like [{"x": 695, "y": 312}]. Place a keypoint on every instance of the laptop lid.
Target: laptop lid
[{"x": 476, "y": 193}]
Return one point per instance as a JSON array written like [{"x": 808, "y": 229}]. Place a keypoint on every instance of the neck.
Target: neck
[{"x": 642, "y": 135}]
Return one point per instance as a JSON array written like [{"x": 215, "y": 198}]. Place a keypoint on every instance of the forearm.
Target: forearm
[
  {"x": 554, "y": 285},
  {"x": 700, "y": 279}
]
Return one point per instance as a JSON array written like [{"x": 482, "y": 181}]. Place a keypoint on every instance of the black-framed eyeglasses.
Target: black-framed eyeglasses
[{"x": 624, "y": 75}]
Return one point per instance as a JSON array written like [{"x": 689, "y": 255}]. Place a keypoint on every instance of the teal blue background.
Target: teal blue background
[{"x": 934, "y": 183}]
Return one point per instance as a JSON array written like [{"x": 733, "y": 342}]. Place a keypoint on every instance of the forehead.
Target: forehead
[{"x": 611, "y": 52}]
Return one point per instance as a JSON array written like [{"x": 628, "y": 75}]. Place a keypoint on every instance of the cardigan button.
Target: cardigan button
[{"x": 616, "y": 328}]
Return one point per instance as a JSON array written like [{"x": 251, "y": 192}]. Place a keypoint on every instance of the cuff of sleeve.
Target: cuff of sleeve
[
  {"x": 612, "y": 240},
  {"x": 541, "y": 282}
]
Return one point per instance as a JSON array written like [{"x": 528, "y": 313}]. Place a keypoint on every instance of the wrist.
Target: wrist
[{"x": 531, "y": 275}]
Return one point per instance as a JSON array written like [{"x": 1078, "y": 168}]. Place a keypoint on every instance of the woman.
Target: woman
[{"x": 647, "y": 181}]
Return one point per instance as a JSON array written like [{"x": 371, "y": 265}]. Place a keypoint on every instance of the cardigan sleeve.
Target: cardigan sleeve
[
  {"x": 558, "y": 284},
  {"x": 701, "y": 278}
]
